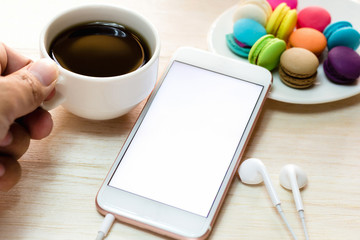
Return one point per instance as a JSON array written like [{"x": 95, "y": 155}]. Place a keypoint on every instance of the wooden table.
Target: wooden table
[{"x": 55, "y": 198}]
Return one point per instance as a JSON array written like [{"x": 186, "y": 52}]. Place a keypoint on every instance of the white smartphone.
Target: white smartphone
[{"x": 173, "y": 171}]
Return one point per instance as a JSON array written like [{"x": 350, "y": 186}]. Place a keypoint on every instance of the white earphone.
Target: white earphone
[
  {"x": 294, "y": 178},
  {"x": 253, "y": 171}
]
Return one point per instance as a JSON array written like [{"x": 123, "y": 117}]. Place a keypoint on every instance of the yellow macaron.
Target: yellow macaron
[{"x": 282, "y": 22}]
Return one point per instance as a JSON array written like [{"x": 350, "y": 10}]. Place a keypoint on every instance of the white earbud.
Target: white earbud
[
  {"x": 253, "y": 171},
  {"x": 294, "y": 178}
]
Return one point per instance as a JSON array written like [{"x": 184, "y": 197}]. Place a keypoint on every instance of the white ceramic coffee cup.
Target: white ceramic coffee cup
[{"x": 101, "y": 98}]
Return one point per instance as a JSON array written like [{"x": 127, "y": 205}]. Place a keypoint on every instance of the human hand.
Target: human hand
[{"x": 24, "y": 85}]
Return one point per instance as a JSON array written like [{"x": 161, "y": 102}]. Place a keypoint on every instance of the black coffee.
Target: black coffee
[{"x": 99, "y": 49}]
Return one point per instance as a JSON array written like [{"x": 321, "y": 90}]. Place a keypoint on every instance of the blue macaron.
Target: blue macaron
[
  {"x": 248, "y": 31},
  {"x": 240, "y": 50},
  {"x": 245, "y": 33},
  {"x": 342, "y": 33}
]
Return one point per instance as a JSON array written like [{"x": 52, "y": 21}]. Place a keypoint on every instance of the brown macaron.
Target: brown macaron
[{"x": 298, "y": 68}]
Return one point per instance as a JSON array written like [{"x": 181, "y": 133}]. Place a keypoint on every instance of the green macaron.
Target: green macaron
[{"x": 266, "y": 52}]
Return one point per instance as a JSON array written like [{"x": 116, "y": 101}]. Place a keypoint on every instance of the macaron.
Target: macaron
[
  {"x": 298, "y": 68},
  {"x": 266, "y": 52},
  {"x": 245, "y": 33},
  {"x": 313, "y": 17},
  {"x": 236, "y": 47},
  {"x": 342, "y": 34},
  {"x": 342, "y": 65},
  {"x": 291, "y": 3},
  {"x": 282, "y": 22},
  {"x": 258, "y": 10},
  {"x": 308, "y": 38}
]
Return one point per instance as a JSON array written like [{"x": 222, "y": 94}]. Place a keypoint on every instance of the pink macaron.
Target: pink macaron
[
  {"x": 313, "y": 17},
  {"x": 291, "y": 3}
]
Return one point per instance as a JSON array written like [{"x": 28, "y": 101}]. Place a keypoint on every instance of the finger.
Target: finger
[
  {"x": 51, "y": 95},
  {"x": 10, "y": 170},
  {"x": 11, "y": 173},
  {"x": 10, "y": 60},
  {"x": 38, "y": 123},
  {"x": 7, "y": 140},
  {"x": 23, "y": 91},
  {"x": 3, "y": 58},
  {"x": 19, "y": 144}
]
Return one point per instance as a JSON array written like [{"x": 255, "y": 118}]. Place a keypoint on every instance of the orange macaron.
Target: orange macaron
[{"x": 308, "y": 38}]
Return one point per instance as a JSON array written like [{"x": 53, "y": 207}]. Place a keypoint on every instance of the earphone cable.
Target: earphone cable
[
  {"x": 302, "y": 217},
  {"x": 278, "y": 207},
  {"x": 105, "y": 226}
]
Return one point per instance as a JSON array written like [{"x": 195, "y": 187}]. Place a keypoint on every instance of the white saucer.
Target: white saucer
[{"x": 323, "y": 90}]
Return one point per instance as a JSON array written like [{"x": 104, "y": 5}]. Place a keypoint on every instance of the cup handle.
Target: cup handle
[{"x": 58, "y": 99}]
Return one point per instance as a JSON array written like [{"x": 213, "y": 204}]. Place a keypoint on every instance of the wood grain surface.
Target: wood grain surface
[{"x": 61, "y": 174}]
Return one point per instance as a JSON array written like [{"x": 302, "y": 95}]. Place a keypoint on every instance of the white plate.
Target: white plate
[{"x": 323, "y": 90}]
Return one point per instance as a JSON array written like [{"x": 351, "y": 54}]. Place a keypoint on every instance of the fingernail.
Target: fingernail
[
  {"x": 45, "y": 70},
  {"x": 2, "y": 170}
]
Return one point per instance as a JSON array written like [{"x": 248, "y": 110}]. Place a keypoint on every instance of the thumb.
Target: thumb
[{"x": 24, "y": 90}]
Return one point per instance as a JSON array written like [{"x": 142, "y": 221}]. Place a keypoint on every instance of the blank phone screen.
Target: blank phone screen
[{"x": 184, "y": 145}]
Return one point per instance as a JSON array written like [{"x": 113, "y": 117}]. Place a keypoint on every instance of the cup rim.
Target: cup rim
[{"x": 147, "y": 65}]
